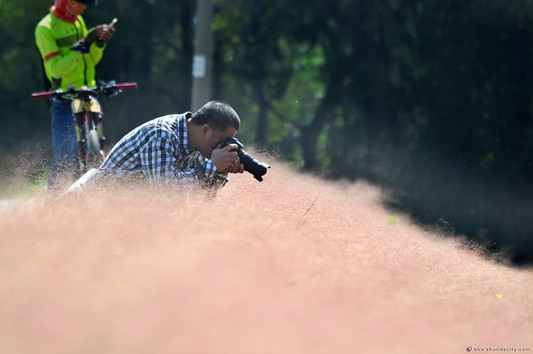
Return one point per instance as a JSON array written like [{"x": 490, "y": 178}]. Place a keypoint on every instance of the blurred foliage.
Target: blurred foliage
[{"x": 431, "y": 99}]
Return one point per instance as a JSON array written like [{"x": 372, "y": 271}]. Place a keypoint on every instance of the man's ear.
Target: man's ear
[{"x": 205, "y": 129}]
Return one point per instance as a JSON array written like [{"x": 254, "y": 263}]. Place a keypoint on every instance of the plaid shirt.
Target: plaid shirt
[{"x": 158, "y": 152}]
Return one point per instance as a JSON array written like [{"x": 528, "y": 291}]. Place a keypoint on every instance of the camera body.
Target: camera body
[{"x": 251, "y": 165}]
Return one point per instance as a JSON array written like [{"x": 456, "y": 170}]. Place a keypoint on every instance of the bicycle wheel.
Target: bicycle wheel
[{"x": 95, "y": 156}]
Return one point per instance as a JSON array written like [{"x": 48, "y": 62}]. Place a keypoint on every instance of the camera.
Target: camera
[{"x": 251, "y": 165}]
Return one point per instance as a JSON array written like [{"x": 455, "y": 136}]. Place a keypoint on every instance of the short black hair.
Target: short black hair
[{"x": 219, "y": 115}]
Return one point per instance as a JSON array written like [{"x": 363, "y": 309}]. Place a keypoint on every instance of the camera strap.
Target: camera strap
[{"x": 200, "y": 172}]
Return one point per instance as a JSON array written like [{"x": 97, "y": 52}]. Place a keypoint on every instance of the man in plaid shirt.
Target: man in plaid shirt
[{"x": 174, "y": 150}]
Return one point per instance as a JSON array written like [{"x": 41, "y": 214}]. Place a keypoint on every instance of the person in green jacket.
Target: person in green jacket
[{"x": 70, "y": 53}]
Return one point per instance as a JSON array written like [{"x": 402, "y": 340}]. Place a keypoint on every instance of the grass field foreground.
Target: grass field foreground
[{"x": 294, "y": 264}]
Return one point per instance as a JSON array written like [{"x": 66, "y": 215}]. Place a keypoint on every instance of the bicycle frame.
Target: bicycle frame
[{"x": 88, "y": 117}]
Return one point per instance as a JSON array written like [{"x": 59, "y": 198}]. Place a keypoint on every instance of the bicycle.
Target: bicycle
[{"x": 88, "y": 117}]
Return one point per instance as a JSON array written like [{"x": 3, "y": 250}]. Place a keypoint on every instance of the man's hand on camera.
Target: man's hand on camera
[
  {"x": 226, "y": 160},
  {"x": 236, "y": 167}
]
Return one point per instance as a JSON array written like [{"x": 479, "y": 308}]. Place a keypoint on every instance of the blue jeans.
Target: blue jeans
[{"x": 63, "y": 144}]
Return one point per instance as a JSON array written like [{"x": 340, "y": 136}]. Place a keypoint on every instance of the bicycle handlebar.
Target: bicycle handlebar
[
  {"x": 39, "y": 95},
  {"x": 108, "y": 89},
  {"x": 126, "y": 85}
]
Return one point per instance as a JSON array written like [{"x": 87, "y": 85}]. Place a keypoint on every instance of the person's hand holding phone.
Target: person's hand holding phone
[
  {"x": 101, "y": 34},
  {"x": 106, "y": 32}
]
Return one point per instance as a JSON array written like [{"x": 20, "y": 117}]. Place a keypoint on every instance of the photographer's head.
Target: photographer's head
[
  {"x": 214, "y": 122},
  {"x": 218, "y": 114}
]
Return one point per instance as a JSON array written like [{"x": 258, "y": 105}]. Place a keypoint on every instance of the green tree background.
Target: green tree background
[{"x": 431, "y": 100}]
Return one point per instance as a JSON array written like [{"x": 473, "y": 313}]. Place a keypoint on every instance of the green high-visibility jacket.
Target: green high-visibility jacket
[{"x": 64, "y": 67}]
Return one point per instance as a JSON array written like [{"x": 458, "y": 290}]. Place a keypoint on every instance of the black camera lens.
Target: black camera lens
[{"x": 251, "y": 165}]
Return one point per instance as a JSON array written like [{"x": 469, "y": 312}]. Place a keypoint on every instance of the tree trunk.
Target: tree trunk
[
  {"x": 309, "y": 135},
  {"x": 262, "y": 124}
]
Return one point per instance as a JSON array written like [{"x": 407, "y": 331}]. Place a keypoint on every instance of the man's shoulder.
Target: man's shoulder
[
  {"x": 172, "y": 122},
  {"x": 45, "y": 22},
  {"x": 173, "y": 117},
  {"x": 161, "y": 127},
  {"x": 50, "y": 22}
]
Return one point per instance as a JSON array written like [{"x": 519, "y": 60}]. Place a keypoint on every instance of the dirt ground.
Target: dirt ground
[{"x": 290, "y": 265}]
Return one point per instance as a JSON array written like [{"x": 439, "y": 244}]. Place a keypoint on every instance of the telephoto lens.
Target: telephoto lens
[
  {"x": 251, "y": 165},
  {"x": 256, "y": 168}
]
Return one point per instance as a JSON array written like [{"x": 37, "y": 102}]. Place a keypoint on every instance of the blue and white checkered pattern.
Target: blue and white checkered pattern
[{"x": 158, "y": 152}]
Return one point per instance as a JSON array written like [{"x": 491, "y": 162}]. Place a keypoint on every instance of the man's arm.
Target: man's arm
[
  {"x": 96, "y": 53},
  {"x": 98, "y": 37},
  {"x": 159, "y": 161},
  {"x": 56, "y": 64}
]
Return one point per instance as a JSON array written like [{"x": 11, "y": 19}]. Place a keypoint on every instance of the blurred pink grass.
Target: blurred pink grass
[{"x": 290, "y": 265}]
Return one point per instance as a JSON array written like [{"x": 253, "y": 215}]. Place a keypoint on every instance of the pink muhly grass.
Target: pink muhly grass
[{"x": 290, "y": 265}]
